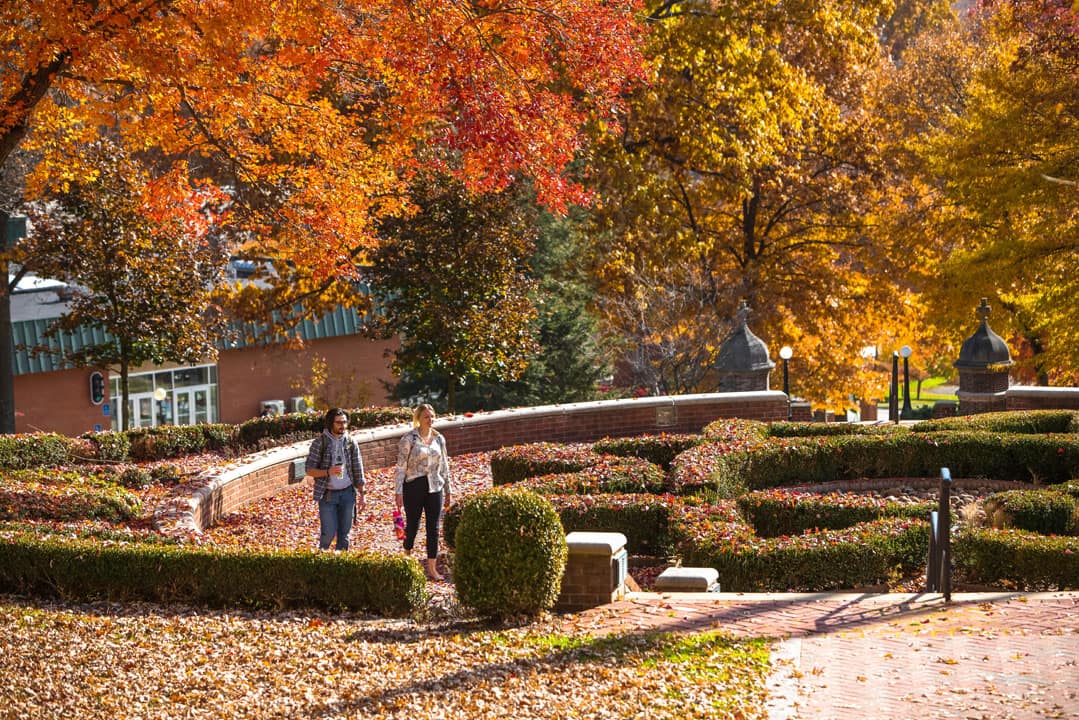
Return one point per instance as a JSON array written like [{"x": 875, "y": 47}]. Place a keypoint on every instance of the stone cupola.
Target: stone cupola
[
  {"x": 743, "y": 364},
  {"x": 983, "y": 365}
]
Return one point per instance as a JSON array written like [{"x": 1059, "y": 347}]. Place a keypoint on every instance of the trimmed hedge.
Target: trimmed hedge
[
  {"x": 1070, "y": 488},
  {"x": 774, "y": 513},
  {"x": 707, "y": 468},
  {"x": 865, "y": 554},
  {"x": 1028, "y": 422},
  {"x": 44, "y": 495},
  {"x": 76, "y": 570},
  {"x": 1018, "y": 559},
  {"x": 614, "y": 475},
  {"x": 1041, "y": 511},
  {"x": 644, "y": 520},
  {"x": 735, "y": 430},
  {"x": 32, "y": 450},
  {"x": 810, "y": 461},
  {"x": 166, "y": 441},
  {"x": 816, "y": 429},
  {"x": 250, "y": 432},
  {"x": 108, "y": 446},
  {"x": 517, "y": 462},
  {"x": 658, "y": 449}
]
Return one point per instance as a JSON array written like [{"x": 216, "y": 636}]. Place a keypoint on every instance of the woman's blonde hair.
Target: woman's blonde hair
[{"x": 419, "y": 409}]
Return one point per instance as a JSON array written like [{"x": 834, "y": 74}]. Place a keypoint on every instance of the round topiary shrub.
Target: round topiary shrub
[{"x": 510, "y": 553}]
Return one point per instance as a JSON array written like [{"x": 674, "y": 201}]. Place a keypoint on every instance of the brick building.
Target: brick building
[{"x": 50, "y": 395}]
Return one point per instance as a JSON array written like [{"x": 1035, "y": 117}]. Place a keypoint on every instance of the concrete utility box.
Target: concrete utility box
[
  {"x": 688, "y": 579},
  {"x": 596, "y": 568}
]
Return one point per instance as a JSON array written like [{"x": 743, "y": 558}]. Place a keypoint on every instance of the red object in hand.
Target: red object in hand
[{"x": 398, "y": 524}]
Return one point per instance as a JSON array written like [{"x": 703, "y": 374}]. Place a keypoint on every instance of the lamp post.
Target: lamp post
[
  {"x": 786, "y": 353},
  {"x": 905, "y": 351},
  {"x": 893, "y": 390}
]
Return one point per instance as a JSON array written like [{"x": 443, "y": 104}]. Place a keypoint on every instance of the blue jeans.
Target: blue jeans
[{"x": 335, "y": 511}]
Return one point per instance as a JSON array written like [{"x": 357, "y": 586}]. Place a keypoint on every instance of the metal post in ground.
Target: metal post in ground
[
  {"x": 945, "y": 511},
  {"x": 932, "y": 570}
]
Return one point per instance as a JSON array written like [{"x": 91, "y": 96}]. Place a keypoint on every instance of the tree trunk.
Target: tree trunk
[
  {"x": 451, "y": 395},
  {"x": 7, "y": 364},
  {"x": 125, "y": 416}
]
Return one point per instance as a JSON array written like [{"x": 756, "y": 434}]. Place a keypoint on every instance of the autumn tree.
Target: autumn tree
[
  {"x": 569, "y": 364},
  {"x": 310, "y": 113},
  {"x": 988, "y": 110},
  {"x": 744, "y": 171},
  {"x": 452, "y": 281},
  {"x": 136, "y": 254}
]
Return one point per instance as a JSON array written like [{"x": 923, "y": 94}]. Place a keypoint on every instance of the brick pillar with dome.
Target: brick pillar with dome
[
  {"x": 983, "y": 365},
  {"x": 742, "y": 363}
]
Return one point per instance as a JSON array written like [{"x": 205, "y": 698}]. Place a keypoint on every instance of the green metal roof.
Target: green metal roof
[{"x": 30, "y": 333}]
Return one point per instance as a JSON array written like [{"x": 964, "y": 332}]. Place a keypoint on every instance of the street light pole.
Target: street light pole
[
  {"x": 906, "y": 352},
  {"x": 893, "y": 390},
  {"x": 785, "y": 353}
]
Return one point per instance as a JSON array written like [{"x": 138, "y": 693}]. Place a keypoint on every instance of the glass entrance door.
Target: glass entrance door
[
  {"x": 140, "y": 408},
  {"x": 192, "y": 405},
  {"x": 181, "y": 396},
  {"x": 183, "y": 407}
]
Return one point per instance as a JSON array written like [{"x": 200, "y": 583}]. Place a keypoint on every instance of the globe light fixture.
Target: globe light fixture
[
  {"x": 906, "y": 352},
  {"x": 786, "y": 354}
]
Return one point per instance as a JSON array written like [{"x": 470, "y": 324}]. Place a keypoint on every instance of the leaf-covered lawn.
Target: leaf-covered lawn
[
  {"x": 104, "y": 661},
  {"x": 146, "y": 661}
]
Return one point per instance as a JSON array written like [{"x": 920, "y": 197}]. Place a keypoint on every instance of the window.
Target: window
[{"x": 183, "y": 396}]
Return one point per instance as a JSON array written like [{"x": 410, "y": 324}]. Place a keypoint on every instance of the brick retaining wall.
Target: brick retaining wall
[
  {"x": 1022, "y": 397},
  {"x": 225, "y": 489}
]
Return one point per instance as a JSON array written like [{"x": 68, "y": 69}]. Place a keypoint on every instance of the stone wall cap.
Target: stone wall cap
[
  {"x": 595, "y": 543},
  {"x": 968, "y": 395},
  {"x": 479, "y": 418},
  {"x": 1038, "y": 391}
]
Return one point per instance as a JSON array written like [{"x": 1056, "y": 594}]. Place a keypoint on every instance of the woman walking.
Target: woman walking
[{"x": 422, "y": 480}]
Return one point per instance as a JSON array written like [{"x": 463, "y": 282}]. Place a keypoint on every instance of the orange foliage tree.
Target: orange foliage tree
[
  {"x": 311, "y": 112},
  {"x": 313, "y": 115}
]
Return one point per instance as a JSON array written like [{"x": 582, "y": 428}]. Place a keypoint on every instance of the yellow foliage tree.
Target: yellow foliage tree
[{"x": 745, "y": 170}]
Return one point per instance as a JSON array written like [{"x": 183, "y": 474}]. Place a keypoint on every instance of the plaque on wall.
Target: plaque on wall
[{"x": 665, "y": 416}]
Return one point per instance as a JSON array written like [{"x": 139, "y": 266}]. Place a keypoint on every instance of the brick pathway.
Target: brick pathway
[{"x": 984, "y": 655}]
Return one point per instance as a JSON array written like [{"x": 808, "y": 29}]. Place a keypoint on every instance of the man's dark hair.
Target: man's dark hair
[{"x": 332, "y": 414}]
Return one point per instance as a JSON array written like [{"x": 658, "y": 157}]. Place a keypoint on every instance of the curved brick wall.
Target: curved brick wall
[
  {"x": 1022, "y": 397},
  {"x": 225, "y": 489}
]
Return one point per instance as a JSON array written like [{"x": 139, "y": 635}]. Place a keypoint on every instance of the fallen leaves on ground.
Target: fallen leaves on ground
[
  {"x": 146, "y": 661},
  {"x": 149, "y": 661}
]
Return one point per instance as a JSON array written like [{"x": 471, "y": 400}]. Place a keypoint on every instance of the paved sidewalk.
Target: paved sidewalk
[{"x": 983, "y": 655}]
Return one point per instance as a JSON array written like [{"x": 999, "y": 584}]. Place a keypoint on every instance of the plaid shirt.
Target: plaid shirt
[{"x": 320, "y": 458}]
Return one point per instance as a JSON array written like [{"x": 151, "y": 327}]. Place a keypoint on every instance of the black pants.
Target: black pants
[{"x": 419, "y": 500}]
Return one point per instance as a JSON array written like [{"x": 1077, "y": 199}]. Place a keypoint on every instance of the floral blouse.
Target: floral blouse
[{"x": 415, "y": 458}]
